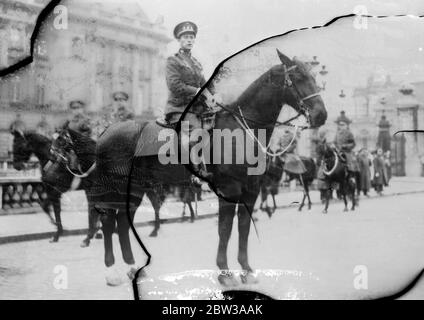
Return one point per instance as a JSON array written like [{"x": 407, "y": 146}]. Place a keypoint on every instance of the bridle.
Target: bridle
[
  {"x": 58, "y": 154},
  {"x": 302, "y": 107}
]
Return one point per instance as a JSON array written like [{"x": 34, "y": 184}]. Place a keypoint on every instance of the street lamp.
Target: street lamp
[{"x": 323, "y": 71}]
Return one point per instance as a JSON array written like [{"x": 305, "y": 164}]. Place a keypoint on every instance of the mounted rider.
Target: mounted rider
[
  {"x": 290, "y": 158},
  {"x": 345, "y": 142},
  {"x": 184, "y": 78},
  {"x": 79, "y": 122}
]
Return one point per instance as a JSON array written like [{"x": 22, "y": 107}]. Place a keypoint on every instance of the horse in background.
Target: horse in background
[
  {"x": 336, "y": 174},
  {"x": 54, "y": 176},
  {"x": 271, "y": 181}
]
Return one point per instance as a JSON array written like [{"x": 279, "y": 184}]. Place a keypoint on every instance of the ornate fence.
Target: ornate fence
[{"x": 20, "y": 192}]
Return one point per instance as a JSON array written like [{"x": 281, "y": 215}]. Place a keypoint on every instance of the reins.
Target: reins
[{"x": 336, "y": 163}]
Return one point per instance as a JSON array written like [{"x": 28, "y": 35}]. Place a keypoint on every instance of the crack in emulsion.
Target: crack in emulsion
[{"x": 29, "y": 59}]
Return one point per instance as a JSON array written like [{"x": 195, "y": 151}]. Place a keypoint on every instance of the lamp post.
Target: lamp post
[{"x": 314, "y": 63}]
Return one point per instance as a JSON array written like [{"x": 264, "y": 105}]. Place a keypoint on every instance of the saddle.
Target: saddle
[{"x": 153, "y": 138}]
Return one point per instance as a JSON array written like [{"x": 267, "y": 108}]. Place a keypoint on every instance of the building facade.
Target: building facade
[
  {"x": 101, "y": 48},
  {"x": 403, "y": 106}
]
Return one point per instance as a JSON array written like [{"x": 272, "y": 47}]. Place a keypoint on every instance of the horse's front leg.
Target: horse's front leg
[
  {"x": 328, "y": 193},
  {"x": 225, "y": 225},
  {"x": 303, "y": 201},
  {"x": 244, "y": 219},
  {"x": 191, "y": 211},
  {"x": 157, "y": 204},
  {"x": 55, "y": 200},
  {"x": 343, "y": 192}
]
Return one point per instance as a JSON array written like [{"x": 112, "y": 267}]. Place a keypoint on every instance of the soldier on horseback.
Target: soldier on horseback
[
  {"x": 184, "y": 77},
  {"x": 81, "y": 123},
  {"x": 345, "y": 142},
  {"x": 122, "y": 110},
  {"x": 290, "y": 158}
]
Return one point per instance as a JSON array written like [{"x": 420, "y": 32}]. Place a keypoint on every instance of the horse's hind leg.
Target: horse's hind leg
[
  {"x": 303, "y": 202},
  {"x": 92, "y": 225},
  {"x": 345, "y": 200},
  {"x": 244, "y": 220},
  {"x": 225, "y": 225}
]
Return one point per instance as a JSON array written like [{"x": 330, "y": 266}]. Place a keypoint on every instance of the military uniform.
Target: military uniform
[
  {"x": 184, "y": 77},
  {"x": 292, "y": 161},
  {"x": 79, "y": 122},
  {"x": 123, "y": 112},
  {"x": 345, "y": 142}
]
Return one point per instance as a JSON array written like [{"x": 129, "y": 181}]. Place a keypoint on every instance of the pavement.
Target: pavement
[
  {"x": 372, "y": 252},
  {"x": 36, "y": 226}
]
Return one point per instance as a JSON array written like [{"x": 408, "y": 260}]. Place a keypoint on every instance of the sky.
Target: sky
[{"x": 393, "y": 46}]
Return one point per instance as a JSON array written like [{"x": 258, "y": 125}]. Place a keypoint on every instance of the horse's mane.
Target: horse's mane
[
  {"x": 85, "y": 148},
  {"x": 247, "y": 94},
  {"x": 266, "y": 78},
  {"x": 38, "y": 138},
  {"x": 82, "y": 143}
]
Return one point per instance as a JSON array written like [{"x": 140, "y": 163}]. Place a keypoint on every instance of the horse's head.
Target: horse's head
[
  {"x": 26, "y": 144},
  {"x": 300, "y": 89},
  {"x": 22, "y": 149}
]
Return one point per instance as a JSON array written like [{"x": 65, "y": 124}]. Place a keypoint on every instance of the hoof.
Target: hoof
[
  {"x": 227, "y": 279},
  {"x": 85, "y": 243},
  {"x": 113, "y": 278},
  {"x": 345, "y": 210},
  {"x": 99, "y": 236},
  {"x": 324, "y": 211},
  {"x": 300, "y": 209},
  {"x": 248, "y": 277},
  {"x": 54, "y": 239},
  {"x": 131, "y": 273}
]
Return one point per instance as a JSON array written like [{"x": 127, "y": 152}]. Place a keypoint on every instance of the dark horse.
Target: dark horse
[
  {"x": 114, "y": 219},
  {"x": 336, "y": 173},
  {"x": 273, "y": 175},
  {"x": 122, "y": 178},
  {"x": 54, "y": 175}
]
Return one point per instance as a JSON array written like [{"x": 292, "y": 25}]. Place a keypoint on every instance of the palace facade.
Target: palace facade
[{"x": 86, "y": 50}]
